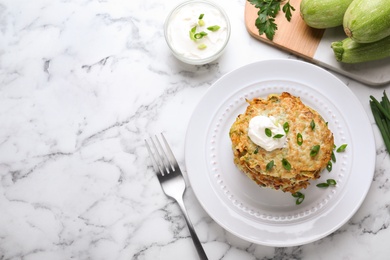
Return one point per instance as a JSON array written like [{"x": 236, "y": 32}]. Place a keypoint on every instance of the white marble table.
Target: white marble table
[{"x": 82, "y": 83}]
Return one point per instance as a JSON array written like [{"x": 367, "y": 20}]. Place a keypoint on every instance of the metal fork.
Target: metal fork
[{"x": 172, "y": 182}]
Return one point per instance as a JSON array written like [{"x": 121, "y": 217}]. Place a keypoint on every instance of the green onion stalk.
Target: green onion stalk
[{"x": 381, "y": 112}]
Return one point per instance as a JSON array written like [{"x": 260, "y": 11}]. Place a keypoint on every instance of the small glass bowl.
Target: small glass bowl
[{"x": 185, "y": 17}]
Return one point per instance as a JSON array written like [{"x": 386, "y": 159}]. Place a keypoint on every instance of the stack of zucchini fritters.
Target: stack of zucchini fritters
[{"x": 303, "y": 122}]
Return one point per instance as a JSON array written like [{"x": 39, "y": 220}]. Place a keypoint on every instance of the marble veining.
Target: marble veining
[{"x": 82, "y": 84}]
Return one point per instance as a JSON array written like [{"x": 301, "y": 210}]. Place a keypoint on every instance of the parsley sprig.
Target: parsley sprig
[{"x": 268, "y": 9}]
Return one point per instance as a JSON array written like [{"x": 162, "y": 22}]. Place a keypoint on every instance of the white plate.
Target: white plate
[{"x": 261, "y": 215}]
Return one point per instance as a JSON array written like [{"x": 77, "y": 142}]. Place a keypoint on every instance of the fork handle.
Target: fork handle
[{"x": 194, "y": 236}]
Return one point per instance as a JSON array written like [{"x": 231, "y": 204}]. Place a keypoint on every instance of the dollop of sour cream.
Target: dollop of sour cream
[
  {"x": 257, "y": 132},
  {"x": 185, "y": 18}
]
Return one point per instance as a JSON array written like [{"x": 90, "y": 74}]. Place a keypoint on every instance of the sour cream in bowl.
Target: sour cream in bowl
[{"x": 197, "y": 31}]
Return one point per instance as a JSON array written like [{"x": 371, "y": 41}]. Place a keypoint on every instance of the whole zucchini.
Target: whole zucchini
[
  {"x": 367, "y": 20},
  {"x": 323, "y": 14},
  {"x": 350, "y": 51}
]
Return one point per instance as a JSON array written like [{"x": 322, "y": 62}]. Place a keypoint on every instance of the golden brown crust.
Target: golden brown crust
[{"x": 252, "y": 159}]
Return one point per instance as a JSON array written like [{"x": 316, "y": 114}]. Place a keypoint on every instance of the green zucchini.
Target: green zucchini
[
  {"x": 323, "y": 14},
  {"x": 349, "y": 51},
  {"x": 367, "y": 20}
]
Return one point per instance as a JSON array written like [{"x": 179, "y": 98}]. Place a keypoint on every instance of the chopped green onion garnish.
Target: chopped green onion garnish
[
  {"x": 278, "y": 136},
  {"x": 286, "y": 127},
  {"x": 329, "y": 182},
  {"x": 314, "y": 150},
  {"x": 202, "y": 46},
  {"x": 296, "y": 194},
  {"x": 213, "y": 28},
  {"x": 299, "y": 139},
  {"x": 322, "y": 185},
  {"x": 286, "y": 164},
  {"x": 200, "y": 35},
  {"x": 268, "y": 132},
  {"x": 256, "y": 150},
  {"x": 329, "y": 166},
  {"x": 201, "y": 22},
  {"x": 192, "y": 33},
  {"x": 333, "y": 156},
  {"x": 341, "y": 148},
  {"x": 300, "y": 197},
  {"x": 196, "y": 36},
  {"x": 269, "y": 165},
  {"x": 312, "y": 124}
]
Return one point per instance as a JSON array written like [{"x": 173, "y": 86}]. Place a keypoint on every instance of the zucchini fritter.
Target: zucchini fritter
[{"x": 295, "y": 164}]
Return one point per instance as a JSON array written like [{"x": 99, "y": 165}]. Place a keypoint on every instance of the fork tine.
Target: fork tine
[
  {"x": 164, "y": 159},
  {"x": 154, "y": 161},
  {"x": 164, "y": 167},
  {"x": 175, "y": 165}
]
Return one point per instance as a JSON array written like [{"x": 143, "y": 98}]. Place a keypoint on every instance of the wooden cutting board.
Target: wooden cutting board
[{"x": 314, "y": 45}]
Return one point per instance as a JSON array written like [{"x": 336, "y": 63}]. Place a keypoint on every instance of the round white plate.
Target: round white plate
[{"x": 262, "y": 215}]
